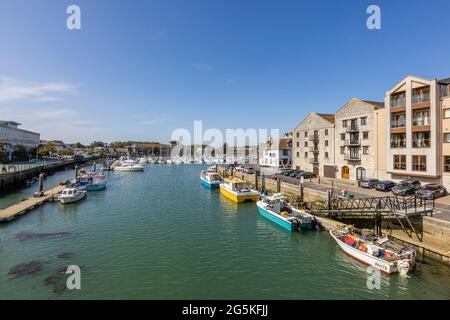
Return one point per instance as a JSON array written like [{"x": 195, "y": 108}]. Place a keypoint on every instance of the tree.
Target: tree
[
  {"x": 97, "y": 144},
  {"x": 3, "y": 156},
  {"x": 77, "y": 145},
  {"x": 47, "y": 149},
  {"x": 66, "y": 152},
  {"x": 20, "y": 153}
]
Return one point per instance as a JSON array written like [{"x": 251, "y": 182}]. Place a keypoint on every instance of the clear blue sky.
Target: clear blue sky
[{"x": 139, "y": 69}]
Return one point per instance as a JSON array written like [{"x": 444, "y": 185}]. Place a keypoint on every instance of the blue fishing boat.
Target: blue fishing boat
[
  {"x": 210, "y": 178},
  {"x": 98, "y": 183},
  {"x": 277, "y": 210}
]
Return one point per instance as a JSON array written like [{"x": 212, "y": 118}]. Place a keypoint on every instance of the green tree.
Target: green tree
[
  {"x": 20, "y": 153},
  {"x": 66, "y": 152},
  {"x": 46, "y": 150}
]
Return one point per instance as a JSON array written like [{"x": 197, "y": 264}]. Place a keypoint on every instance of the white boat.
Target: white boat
[
  {"x": 379, "y": 253},
  {"x": 70, "y": 195},
  {"x": 129, "y": 166},
  {"x": 143, "y": 161}
]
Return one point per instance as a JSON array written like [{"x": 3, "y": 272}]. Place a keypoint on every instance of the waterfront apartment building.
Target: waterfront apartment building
[
  {"x": 414, "y": 145},
  {"x": 445, "y": 111},
  {"x": 313, "y": 145},
  {"x": 360, "y": 140},
  {"x": 12, "y": 136},
  {"x": 276, "y": 153}
]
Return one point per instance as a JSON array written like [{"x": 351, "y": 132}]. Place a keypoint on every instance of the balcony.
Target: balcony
[
  {"x": 420, "y": 122},
  {"x": 314, "y": 160},
  {"x": 398, "y": 145},
  {"x": 353, "y": 142},
  {"x": 352, "y": 128},
  {"x": 314, "y": 137},
  {"x": 398, "y": 101},
  {"x": 314, "y": 149},
  {"x": 352, "y": 156}
]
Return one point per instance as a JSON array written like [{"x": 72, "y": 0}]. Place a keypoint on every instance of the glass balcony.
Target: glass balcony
[{"x": 398, "y": 101}]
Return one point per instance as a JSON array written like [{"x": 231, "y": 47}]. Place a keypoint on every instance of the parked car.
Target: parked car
[
  {"x": 385, "y": 186},
  {"x": 285, "y": 172},
  {"x": 305, "y": 175},
  {"x": 248, "y": 170},
  {"x": 368, "y": 183},
  {"x": 432, "y": 191},
  {"x": 294, "y": 173},
  {"x": 406, "y": 187}
]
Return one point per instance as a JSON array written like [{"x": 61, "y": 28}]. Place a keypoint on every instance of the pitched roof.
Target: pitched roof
[
  {"x": 327, "y": 116},
  {"x": 445, "y": 81},
  {"x": 377, "y": 104}
]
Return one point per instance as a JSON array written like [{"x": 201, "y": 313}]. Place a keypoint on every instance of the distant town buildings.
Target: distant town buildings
[
  {"x": 277, "y": 153},
  {"x": 11, "y": 137}
]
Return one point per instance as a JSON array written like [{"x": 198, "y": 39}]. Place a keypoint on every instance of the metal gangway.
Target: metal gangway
[{"x": 400, "y": 208}]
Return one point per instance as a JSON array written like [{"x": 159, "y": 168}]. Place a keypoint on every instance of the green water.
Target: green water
[{"x": 161, "y": 235}]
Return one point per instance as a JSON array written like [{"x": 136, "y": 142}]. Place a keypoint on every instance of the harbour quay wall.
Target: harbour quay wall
[
  {"x": 432, "y": 237},
  {"x": 17, "y": 178}
]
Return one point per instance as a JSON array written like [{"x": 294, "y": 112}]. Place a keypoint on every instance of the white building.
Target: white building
[
  {"x": 11, "y": 136},
  {"x": 277, "y": 153}
]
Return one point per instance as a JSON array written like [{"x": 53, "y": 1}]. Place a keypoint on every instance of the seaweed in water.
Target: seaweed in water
[
  {"x": 24, "y": 269},
  {"x": 24, "y": 236},
  {"x": 65, "y": 255}
]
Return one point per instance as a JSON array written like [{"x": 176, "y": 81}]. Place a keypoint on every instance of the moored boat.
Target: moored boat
[
  {"x": 377, "y": 252},
  {"x": 129, "y": 166},
  {"x": 236, "y": 190},
  {"x": 98, "y": 183},
  {"x": 277, "y": 210},
  {"x": 70, "y": 195},
  {"x": 210, "y": 179}
]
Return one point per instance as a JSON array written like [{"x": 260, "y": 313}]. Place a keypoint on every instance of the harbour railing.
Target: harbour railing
[{"x": 18, "y": 167}]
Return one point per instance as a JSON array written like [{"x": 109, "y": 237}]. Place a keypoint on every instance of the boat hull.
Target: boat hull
[
  {"x": 96, "y": 187},
  {"x": 208, "y": 184},
  {"x": 383, "y": 266},
  {"x": 275, "y": 218},
  {"x": 238, "y": 197},
  {"x": 67, "y": 200}
]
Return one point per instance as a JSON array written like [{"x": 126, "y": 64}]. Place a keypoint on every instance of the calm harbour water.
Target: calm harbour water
[{"x": 161, "y": 235}]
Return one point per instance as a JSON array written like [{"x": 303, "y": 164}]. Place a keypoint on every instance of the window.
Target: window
[
  {"x": 421, "y": 95},
  {"x": 344, "y": 123},
  {"x": 298, "y": 154},
  {"x": 447, "y": 164},
  {"x": 365, "y": 135},
  {"x": 326, "y": 132},
  {"x": 399, "y": 162},
  {"x": 446, "y": 113},
  {"x": 326, "y": 143},
  {"x": 326, "y": 154},
  {"x": 342, "y": 136},
  {"x": 421, "y": 117},
  {"x": 306, "y": 154},
  {"x": 446, "y": 137},
  {"x": 421, "y": 140},
  {"x": 306, "y": 134},
  {"x": 398, "y": 100},
  {"x": 419, "y": 163},
  {"x": 365, "y": 150},
  {"x": 298, "y": 134},
  {"x": 306, "y": 144},
  {"x": 342, "y": 150},
  {"x": 298, "y": 144},
  {"x": 364, "y": 121},
  {"x": 398, "y": 120},
  {"x": 398, "y": 140}
]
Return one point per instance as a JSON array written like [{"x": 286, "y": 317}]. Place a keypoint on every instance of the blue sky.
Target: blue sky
[{"x": 139, "y": 69}]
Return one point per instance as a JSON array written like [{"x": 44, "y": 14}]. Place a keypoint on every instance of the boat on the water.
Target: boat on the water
[
  {"x": 377, "y": 252},
  {"x": 97, "y": 183},
  {"x": 277, "y": 210},
  {"x": 129, "y": 166},
  {"x": 70, "y": 195},
  {"x": 32, "y": 181},
  {"x": 210, "y": 178},
  {"x": 143, "y": 161},
  {"x": 236, "y": 190}
]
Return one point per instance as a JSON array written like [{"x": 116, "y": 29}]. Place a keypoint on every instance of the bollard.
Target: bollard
[
  {"x": 278, "y": 185},
  {"x": 95, "y": 166},
  {"x": 256, "y": 180},
  {"x": 41, "y": 183},
  {"x": 76, "y": 172}
]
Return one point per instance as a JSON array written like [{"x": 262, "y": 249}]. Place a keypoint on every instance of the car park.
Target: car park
[
  {"x": 432, "y": 191},
  {"x": 385, "y": 185},
  {"x": 368, "y": 183},
  {"x": 305, "y": 175}
]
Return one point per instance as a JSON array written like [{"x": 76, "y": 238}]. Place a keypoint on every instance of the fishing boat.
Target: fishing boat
[
  {"x": 70, "y": 195},
  {"x": 97, "y": 183},
  {"x": 32, "y": 181},
  {"x": 210, "y": 179},
  {"x": 277, "y": 210},
  {"x": 377, "y": 252},
  {"x": 236, "y": 190}
]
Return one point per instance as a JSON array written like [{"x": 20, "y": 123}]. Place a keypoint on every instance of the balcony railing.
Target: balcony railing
[
  {"x": 314, "y": 137},
  {"x": 352, "y": 156},
  {"x": 352, "y": 142},
  {"x": 421, "y": 122},
  {"x": 313, "y": 160},
  {"x": 352, "y": 128},
  {"x": 398, "y": 145},
  {"x": 398, "y": 124},
  {"x": 314, "y": 149},
  {"x": 398, "y": 101},
  {"x": 421, "y": 98},
  {"x": 423, "y": 143}
]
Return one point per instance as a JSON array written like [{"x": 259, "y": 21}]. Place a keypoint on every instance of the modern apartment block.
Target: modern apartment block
[
  {"x": 445, "y": 111},
  {"x": 313, "y": 145},
  {"x": 413, "y": 109},
  {"x": 360, "y": 131},
  {"x": 12, "y": 136}
]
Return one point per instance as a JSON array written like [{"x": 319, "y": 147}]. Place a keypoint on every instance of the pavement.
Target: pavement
[{"x": 442, "y": 205}]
